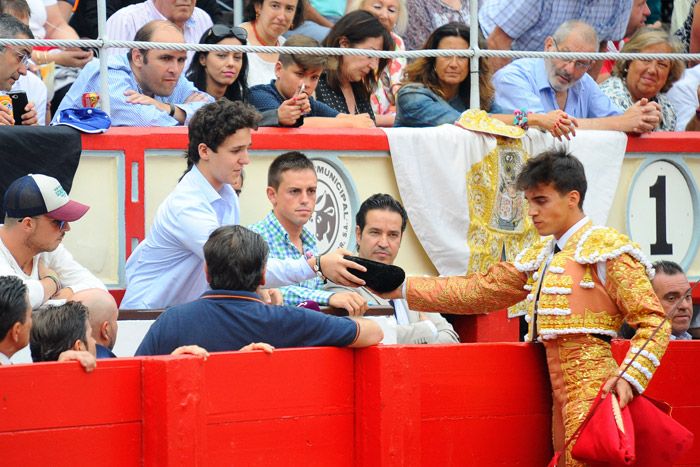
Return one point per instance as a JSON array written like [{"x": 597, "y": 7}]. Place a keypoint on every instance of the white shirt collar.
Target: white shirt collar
[
  {"x": 4, "y": 359},
  {"x": 561, "y": 242}
]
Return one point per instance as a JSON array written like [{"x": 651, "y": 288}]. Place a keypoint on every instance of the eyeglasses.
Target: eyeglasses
[
  {"x": 23, "y": 56},
  {"x": 60, "y": 224},
  {"x": 220, "y": 31},
  {"x": 581, "y": 65}
]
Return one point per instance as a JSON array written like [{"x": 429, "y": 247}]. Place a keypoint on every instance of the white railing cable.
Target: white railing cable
[
  {"x": 99, "y": 44},
  {"x": 103, "y": 43}
]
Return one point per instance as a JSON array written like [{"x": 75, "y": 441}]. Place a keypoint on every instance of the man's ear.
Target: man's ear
[
  {"x": 203, "y": 150},
  {"x": 262, "y": 281},
  {"x": 574, "y": 197},
  {"x": 549, "y": 44},
  {"x": 344, "y": 42},
  {"x": 137, "y": 57},
  {"x": 278, "y": 69},
  {"x": 271, "y": 195},
  {"x": 15, "y": 331},
  {"x": 104, "y": 330},
  {"x": 206, "y": 273},
  {"x": 78, "y": 345},
  {"x": 358, "y": 235}
]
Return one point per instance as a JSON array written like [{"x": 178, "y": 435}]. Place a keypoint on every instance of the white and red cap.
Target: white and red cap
[{"x": 36, "y": 194}]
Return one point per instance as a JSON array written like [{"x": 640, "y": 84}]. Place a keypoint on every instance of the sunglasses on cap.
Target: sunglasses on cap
[{"x": 220, "y": 31}]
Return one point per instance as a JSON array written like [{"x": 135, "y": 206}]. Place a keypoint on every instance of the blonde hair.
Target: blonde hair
[
  {"x": 646, "y": 37},
  {"x": 401, "y": 22}
]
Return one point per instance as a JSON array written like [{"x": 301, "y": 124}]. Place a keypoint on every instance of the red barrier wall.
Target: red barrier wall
[
  {"x": 135, "y": 141},
  {"x": 468, "y": 404}
]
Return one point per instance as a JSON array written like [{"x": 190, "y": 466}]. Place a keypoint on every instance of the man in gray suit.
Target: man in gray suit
[{"x": 381, "y": 222}]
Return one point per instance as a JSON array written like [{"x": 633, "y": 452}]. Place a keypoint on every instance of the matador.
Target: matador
[{"x": 580, "y": 282}]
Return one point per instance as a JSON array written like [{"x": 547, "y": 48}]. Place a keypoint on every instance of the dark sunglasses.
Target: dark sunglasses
[
  {"x": 60, "y": 224},
  {"x": 220, "y": 32}
]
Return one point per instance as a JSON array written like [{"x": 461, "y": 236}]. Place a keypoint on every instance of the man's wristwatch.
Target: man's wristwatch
[
  {"x": 172, "y": 110},
  {"x": 317, "y": 269}
]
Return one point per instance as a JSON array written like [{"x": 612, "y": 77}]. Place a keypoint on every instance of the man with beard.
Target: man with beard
[
  {"x": 147, "y": 87},
  {"x": 541, "y": 85},
  {"x": 38, "y": 213}
]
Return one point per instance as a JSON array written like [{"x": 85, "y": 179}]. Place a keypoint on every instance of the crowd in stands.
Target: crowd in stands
[
  {"x": 215, "y": 274},
  {"x": 156, "y": 88}
]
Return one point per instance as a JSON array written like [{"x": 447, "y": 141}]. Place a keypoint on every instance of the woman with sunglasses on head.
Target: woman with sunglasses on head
[
  {"x": 348, "y": 86},
  {"x": 436, "y": 90},
  {"x": 266, "y": 21},
  {"x": 393, "y": 14},
  {"x": 223, "y": 75}
]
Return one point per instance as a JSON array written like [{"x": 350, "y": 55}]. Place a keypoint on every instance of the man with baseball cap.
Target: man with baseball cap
[{"x": 38, "y": 213}]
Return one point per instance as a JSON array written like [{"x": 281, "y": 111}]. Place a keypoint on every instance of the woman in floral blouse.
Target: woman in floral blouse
[
  {"x": 633, "y": 80},
  {"x": 393, "y": 14}
]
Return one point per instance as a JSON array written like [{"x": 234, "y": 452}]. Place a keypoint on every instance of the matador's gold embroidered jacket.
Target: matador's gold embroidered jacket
[{"x": 573, "y": 297}]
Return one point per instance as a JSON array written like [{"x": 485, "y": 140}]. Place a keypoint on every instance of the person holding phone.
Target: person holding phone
[
  {"x": 290, "y": 94},
  {"x": 13, "y": 65}
]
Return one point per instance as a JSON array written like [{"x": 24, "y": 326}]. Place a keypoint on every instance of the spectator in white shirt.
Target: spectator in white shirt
[
  {"x": 167, "y": 268},
  {"x": 685, "y": 97},
  {"x": 15, "y": 317},
  {"x": 193, "y": 22},
  {"x": 38, "y": 215}
]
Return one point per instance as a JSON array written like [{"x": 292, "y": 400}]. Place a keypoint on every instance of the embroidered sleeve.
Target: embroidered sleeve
[
  {"x": 502, "y": 285},
  {"x": 630, "y": 288}
]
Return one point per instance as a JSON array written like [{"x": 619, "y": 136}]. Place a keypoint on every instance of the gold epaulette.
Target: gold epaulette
[
  {"x": 605, "y": 243},
  {"x": 531, "y": 257}
]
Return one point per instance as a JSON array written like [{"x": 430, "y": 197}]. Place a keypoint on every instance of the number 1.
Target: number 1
[{"x": 658, "y": 191}]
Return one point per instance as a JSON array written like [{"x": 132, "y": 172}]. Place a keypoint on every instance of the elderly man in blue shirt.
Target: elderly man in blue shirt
[
  {"x": 541, "y": 85},
  {"x": 146, "y": 87}
]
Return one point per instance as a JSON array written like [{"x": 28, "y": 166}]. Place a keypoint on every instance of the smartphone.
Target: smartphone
[
  {"x": 301, "y": 89},
  {"x": 19, "y": 103}
]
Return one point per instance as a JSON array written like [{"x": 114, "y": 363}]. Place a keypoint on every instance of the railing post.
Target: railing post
[
  {"x": 474, "y": 62},
  {"x": 104, "y": 82}
]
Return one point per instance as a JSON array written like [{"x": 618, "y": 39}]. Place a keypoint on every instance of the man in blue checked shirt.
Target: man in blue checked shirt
[
  {"x": 146, "y": 87},
  {"x": 291, "y": 189}
]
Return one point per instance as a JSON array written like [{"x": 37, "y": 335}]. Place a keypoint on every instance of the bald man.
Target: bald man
[{"x": 103, "y": 312}]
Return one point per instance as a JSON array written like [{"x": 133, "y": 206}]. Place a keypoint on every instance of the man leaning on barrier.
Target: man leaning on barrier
[
  {"x": 232, "y": 314},
  {"x": 38, "y": 214},
  {"x": 14, "y": 60},
  {"x": 541, "y": 85},
  {"x": 146, "y": 87}
]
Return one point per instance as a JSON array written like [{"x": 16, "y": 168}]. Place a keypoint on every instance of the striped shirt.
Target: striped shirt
[
  {"x": 529, "y": 22},
  {"x": 121, "y": 78}
]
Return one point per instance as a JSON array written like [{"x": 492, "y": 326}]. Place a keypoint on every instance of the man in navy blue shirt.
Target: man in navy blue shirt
[
  {"x": 232, "y": 315},
  {"x": 290, "y": 94}
]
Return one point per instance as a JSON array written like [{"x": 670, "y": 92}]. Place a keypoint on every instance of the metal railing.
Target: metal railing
[{"x": 103, "y": 42}]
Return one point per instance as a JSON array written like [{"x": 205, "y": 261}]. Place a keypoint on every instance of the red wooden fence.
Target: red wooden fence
[{"x": 468, "y": 404}]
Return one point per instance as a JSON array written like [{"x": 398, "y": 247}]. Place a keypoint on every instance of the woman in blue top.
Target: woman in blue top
[{"x": 436, "y": 89}]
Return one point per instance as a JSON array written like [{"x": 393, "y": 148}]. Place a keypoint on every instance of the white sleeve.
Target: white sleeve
[
  {"x": 71, "y": 273},
  {"x": 281, "y": 272},
  {"x": 34, "y": 287}
]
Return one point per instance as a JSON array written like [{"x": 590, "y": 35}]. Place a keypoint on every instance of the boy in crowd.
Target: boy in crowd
[{"x": 290, "y": 93}]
